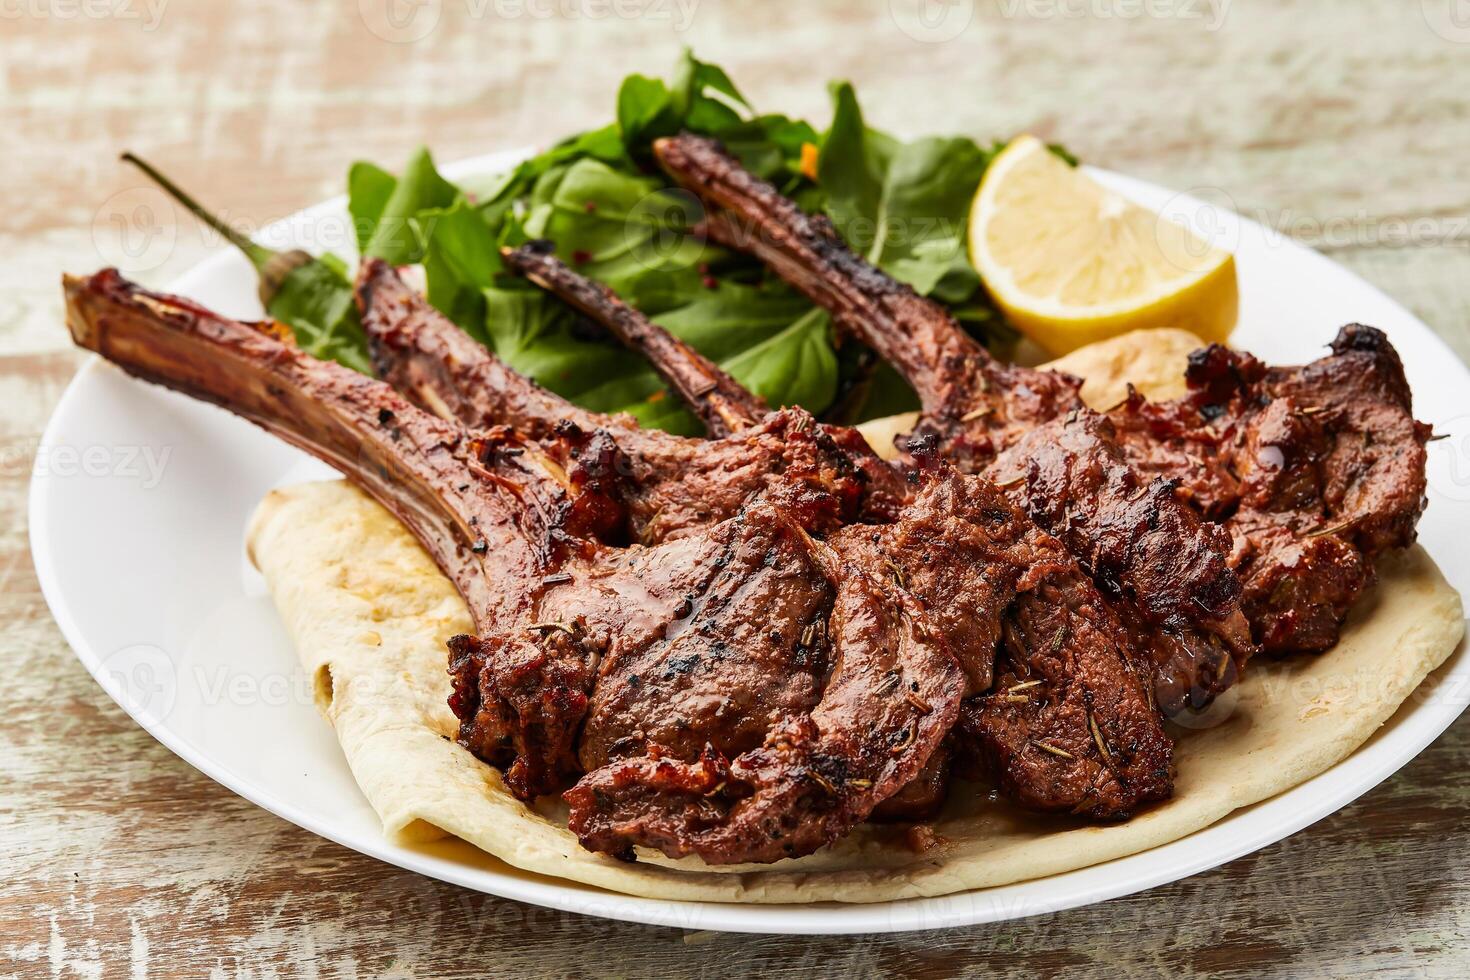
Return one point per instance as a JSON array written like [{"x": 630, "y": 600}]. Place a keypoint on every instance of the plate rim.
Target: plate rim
[{"x": 1367, "y": 766}]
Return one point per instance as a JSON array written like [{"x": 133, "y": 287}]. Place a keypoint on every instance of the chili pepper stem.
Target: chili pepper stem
[{"x": 259, "y": 255}]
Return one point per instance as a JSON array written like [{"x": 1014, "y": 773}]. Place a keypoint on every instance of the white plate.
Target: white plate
[{"x": 140, "y": 498}]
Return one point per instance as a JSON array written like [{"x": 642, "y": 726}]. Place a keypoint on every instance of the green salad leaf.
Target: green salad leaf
[
  {"x": 384, "y": 208},
  {"x": 315, "y": 301},
  {"x": 599, "y": 198},
  {"x": 461, "y": 258}
]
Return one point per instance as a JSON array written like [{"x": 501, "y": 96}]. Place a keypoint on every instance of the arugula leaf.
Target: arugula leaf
[
  {"x": 461, "y": 258},
  {"x": 368, "y": 189},
  {"x": 795, "y": 367},
  {"x": 903, "y": 206},
  {"x": 852, "y": 168},
  {"x": 546, "y": 340},
  {"x": 692, "y": 102},
  {"x": 315, "y": 301},
  {"x": 645, "y": 110},
  {"x": 700, "y": 98},
  {"x": 770, "y": 147},
  {"x": 384, "y": 220},
  {"x": 614, "y": 226},
  {"x": 923, "y": 216}
]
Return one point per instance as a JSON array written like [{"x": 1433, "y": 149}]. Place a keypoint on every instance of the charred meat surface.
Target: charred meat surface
[
  {"x": 962, "y": 549},
  {"x": 814, "y": 775},
  {"x": 1165, "y": 569},
  {"x": 1061, "y": 717},
  {"x": 1316, "y": 470},
  {"x": 975, "y": 409},
  {"x": 1069, "y": 724}
]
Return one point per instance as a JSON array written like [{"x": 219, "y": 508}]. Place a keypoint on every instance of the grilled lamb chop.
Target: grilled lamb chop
[
  {"x": 1309, "y": 492},
  {"x": 951, "y": 566},
  {"x": 1064, "y": 647},
  {"x": 438, "y": 367},
  {"x": 744, "y": 693},
  {"x": 1027, "y": 429},
  {"x": 1314, "y": 469},
  {"x": 573, "y": 634}
]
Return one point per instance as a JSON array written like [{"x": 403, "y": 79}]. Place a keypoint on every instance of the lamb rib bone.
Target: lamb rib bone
[
  {"x": 675, "y": 485},
  {"x": 721, "y": 402}
]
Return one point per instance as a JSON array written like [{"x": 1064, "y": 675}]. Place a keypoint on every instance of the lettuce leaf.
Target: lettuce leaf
[
  {"x": 315, "y": 301},
  {"x": 383, "y": 207},
  {"x": 598, "y": 197}
]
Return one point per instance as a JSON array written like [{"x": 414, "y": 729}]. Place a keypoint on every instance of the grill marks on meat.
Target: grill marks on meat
[
  {"x": 670, "y": 486},
  {"x": 564, "y": 622},
  {"x": 975, "y": 408},
  {"x": 1165, "y": 570},
  {"x": 966, "y": 551},
  {"x": 960, "y": 548},
  {"x": 1321, "y": 468},
  {"x": 815, "y": 775},
  {"x": 745, "y": 646},
  {"x": 654, "y": 648},
  {"x": 1069, "y": 724},
  {"x": 1061, "y": 717}
]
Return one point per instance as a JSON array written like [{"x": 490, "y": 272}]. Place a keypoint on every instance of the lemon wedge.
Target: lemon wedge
[{"x": 1070, "y": 262}]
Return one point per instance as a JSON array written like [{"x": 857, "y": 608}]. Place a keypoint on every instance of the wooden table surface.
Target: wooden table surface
[{"x": 1344, "y": 126}]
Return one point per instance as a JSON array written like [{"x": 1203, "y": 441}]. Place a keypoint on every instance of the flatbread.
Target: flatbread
[{"x": 369, "y": 614}]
